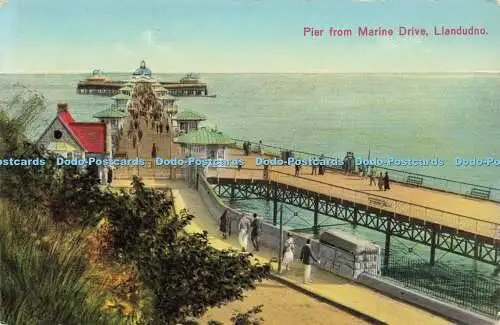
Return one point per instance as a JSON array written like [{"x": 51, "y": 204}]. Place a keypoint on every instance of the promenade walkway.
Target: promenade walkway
[
  {"x": 325, "y": 284},
  {"x": 482, "y": 217}
]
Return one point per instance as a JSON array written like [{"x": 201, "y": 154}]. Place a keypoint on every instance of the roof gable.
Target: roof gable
[
  {"x": 58, "y": 123},
  {"x": 189, "y": 116},
  {"x": 91, "y": 135},
  {"x": 204, "y": 136},
  {"x": 111, "y": 113}
]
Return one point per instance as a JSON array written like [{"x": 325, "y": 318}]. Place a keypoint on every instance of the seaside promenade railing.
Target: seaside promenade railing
[
  {"x": 456, "y": 221},
  {"x": 475, "y": 291},
  {"x": 425, "y": 181}
]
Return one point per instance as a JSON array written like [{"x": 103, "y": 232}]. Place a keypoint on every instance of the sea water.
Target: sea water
[{"x": 414, "y": 116}]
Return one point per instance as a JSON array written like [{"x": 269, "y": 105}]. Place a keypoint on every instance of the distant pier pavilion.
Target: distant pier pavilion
[{"x": 98, "y": 84}]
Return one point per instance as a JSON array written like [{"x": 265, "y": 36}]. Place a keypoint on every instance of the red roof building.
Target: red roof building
[{"x": 90, "y": 137}]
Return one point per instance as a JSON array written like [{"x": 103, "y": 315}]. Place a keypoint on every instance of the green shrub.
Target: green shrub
[{"x": 42, "y": 275}]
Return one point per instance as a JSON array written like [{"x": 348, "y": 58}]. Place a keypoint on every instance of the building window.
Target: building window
[{"x": 57, "y": 134}]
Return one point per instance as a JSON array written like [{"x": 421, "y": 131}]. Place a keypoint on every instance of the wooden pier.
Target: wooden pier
[
  {"x": 113, "y": 88},
  {"x": 446, "y": 221}
]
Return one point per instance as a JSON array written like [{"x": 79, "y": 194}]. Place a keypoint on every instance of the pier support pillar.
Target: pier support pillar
[
  {"x": 387, "y": 241},
  {"x": 316, "y": 208},
  {"x": 233, "y": 188},
  {"x": 275, "y": 203},
  {"x": 355, "y": 217},
  {"x": 433, "y": 244}
]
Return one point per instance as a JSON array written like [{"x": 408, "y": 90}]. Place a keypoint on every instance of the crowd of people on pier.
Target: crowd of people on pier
[{"x": 145, "y": 106}]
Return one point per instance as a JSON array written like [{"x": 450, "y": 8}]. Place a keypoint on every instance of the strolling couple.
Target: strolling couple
[
  {"x": 247, "y": 226},
  {"x": 306, "y": 256}
]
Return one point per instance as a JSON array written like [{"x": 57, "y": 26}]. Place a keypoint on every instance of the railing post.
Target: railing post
[
  {"x": 387, "y": 241},
  {"x": 316, "y": 208},
  {"x": 197, "y": 178},
  {"x": 433, "y": 244},
  {"x": 233, "y": 188},
  {"x": 275, "y": 203}
]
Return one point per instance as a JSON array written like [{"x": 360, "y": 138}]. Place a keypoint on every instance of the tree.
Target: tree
[
  {"x": 18, "y": 116},
  {"x": 185, "y": 273}
]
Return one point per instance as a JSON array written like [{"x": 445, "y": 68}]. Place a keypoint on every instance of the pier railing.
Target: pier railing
[
  {"x": 458, "y": 222},
  {"x": 399, "y": 176},
  {"x": 477, "y": 292}
]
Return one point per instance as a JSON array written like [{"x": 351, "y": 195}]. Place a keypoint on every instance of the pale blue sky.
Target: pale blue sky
[{"x": 241, "y": 36}]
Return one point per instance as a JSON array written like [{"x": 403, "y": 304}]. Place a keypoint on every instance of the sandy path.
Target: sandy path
[{"x": 283, "y": 305}]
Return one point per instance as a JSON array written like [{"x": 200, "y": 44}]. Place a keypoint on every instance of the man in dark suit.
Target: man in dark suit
[{"x": 307, "y": 257}]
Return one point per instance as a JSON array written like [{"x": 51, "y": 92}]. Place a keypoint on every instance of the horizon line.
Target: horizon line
[{"x": 293, "y": 72}]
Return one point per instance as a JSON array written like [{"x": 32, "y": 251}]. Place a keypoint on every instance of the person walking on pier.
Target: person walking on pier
[
  {"x": 153, "y": 151},
  {"x": 110, "y": 175},
  {"x": 288, "y": 254},
  {"x": 321, "y": 167},
  {"x": 256, "y": 231},
  {"x": 314, "y": 169},
  {"x": 140, "y": 134},
  {"x": 225, "y": 224},
  {"x": 244, "y": 228},
  {"x": 372, "y": 176},
  {"x": 297, "y": 170},
  {"x": 167, "y": 128},
  {"x": 380, "y": 182},
  {"x": 386, "y": 182},
  {"x": 266, "y": 172},
  {"x": 161, "y": 128},
  {"x": 245, "y": 148},
  {"x": 134, "y": 140},
  {"x": 307, "y": 257}
]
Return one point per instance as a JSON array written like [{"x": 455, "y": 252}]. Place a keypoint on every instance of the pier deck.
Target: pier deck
[
  {"x": 447, "y": 209},
  {"x": 112, "y": 88}
]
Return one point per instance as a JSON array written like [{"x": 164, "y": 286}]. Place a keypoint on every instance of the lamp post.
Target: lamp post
[
  {"x": 170, "y": 112},
  {"x": 137, "y": 148},
  {"x": 280, "y": 253}
]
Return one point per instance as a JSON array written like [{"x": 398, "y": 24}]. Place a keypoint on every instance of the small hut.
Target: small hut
[
  {"x": 205, "y": 143},
  {"x": 116, "y": 119},
  {"x": 126, "y": 90},
  {"x": 167, "y": 100},
  {"x": 185, "y": 121},
  {"x": 121, "y": 100}
]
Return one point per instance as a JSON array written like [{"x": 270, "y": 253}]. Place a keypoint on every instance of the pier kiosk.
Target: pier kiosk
[
  {"x": 166, "y": 100},
  {"x": 127, "y": 90},
  {"x": 116, "y": 120},
  {"x": 205, "y": 143},
  {"x": 121, "y": 100},
  {"x": 186, "y": 121}
]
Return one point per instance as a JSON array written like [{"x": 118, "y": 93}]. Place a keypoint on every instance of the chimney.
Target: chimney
[{"x": 62, "y": 107}]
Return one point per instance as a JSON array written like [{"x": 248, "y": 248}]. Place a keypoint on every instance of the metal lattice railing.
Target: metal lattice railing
[
  {"x": 437, "y": 183},
  {"x": 474, "y": 291}
]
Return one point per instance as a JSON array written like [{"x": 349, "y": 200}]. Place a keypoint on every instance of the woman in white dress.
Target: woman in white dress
[{"x": 288, "y": 254}]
